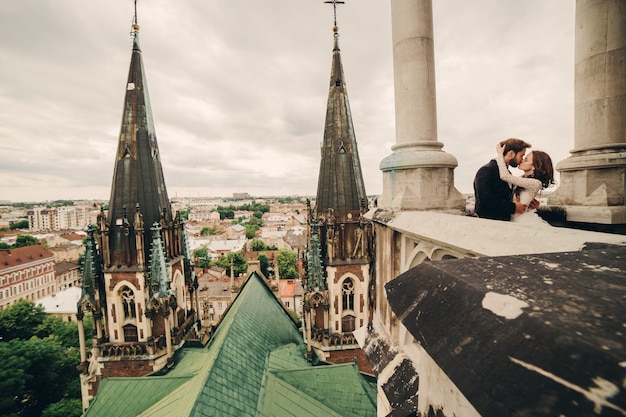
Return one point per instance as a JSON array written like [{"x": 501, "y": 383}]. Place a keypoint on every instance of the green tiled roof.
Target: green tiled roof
[
  {"x": 328, "y": 390},
  {"x": 254, "y": 365}
]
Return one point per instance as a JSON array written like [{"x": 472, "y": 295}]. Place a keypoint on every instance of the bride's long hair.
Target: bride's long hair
[{"x": 543, "y": 170}]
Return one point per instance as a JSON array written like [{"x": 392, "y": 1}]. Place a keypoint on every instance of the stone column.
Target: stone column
[
  {"x": 418, "y": 175},
  {"x": 97, "y": 320},
  {"x": 307, "y": 320},
  {"x": 592, "y": 181},
  {"x": 168, "y": 334},
  {"x": 81, "y": 338}
]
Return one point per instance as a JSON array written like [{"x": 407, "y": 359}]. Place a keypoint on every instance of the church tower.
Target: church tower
[
  {"x": 137, "y": 276},
  {"x": 339, "y": 251}
]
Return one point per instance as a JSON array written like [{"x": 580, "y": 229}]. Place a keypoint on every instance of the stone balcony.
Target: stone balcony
[
  {"x": 477, "y": 317},
  {"x": 153, "y": 348}
]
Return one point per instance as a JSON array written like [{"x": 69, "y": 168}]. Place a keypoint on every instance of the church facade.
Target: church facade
[{"x": 137, "y": 275}]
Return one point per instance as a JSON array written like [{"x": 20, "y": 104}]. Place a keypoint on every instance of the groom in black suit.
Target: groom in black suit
[{"x": 494, "y": 197}]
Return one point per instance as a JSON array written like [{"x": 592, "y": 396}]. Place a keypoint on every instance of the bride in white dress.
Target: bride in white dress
[{"x": 538, "y": 174}]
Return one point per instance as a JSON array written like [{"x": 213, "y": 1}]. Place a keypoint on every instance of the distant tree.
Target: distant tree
[
  {"x": 201, "y": 256},
  {"x": 226, "y": 212},
  {"x": 257, "y": 245},
  {"x": 251, "y": 230},
  {"x": 62, "y": 203},
  {"x": 25, "y": 240},
  {"x": 35, "y": 373},
  {"x": 240, "y": 265},
  {"x": 208, "y": 231},
  {"x": 19, "y": 320},
  {"x": 264, "y": 263},
  {"x": 286, "y": 261},
  {"x": 256, "y": 220},
  {"x": 39, "y": 359},
  {"x": 22, "y": 224},
  {"x": 184, "y": 213},
  {"x": 66, "y": 333},
  {"x": 67, "y": 407},
  {"x": 256, "y": 208}
]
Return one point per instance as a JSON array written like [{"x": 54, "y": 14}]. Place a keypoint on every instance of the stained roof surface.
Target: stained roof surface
[{"x": 534, "y": 324}]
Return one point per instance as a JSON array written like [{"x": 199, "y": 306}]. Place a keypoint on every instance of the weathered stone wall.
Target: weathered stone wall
[{"x": 127, "y": 368}]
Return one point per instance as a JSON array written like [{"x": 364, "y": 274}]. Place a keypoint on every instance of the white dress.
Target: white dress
[{"x": 530, "y": 187}]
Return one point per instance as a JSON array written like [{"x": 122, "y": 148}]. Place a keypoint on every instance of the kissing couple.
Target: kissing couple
[{"x": 499, "y": 195}]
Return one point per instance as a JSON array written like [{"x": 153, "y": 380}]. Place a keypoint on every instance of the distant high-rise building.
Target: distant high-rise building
[
  {"x": 136, "y": 270},
  {"x": 43, "y": 219}
]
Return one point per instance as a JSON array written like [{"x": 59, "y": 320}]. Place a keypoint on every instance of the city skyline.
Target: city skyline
[{"x": 238, "y": 91}]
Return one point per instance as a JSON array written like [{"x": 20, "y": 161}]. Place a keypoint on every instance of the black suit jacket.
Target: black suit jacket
[{"x": 493, "y": 197}]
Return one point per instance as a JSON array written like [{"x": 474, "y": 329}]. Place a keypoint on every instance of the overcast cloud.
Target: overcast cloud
[{"x": 238, "y": 89}]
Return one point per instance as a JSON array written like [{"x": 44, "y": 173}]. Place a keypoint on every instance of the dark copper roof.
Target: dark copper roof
[
  {"x": 340, "y": 185},
  {"x": 138, "y": 176}
]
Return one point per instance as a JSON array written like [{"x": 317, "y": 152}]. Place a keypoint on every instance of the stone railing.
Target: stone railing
[
  {"x": 154, "y": 345},
  {"x": 126, "y": 349},
  {"x": 323, "y": 338}
]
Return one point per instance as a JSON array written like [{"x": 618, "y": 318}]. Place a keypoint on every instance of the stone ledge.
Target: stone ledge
[
  {"x": 596, "y": 214},
  {"x": 533, "y": 335},
  {"x": 476, "y": 237}
]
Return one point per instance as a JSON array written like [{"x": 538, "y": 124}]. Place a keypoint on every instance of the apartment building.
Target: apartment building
[
  {"x": 67, "y": 275},
  {"x": 27, "y": 272},
  {"x": 43, "y": 219}
]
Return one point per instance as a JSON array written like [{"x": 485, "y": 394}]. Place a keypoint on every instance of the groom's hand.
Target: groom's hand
[
  {"x": 519, "y": 207},
  {"x": 533, "y": 204}
]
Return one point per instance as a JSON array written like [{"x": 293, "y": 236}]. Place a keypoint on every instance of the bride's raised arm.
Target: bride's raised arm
[{"x": 531, "y": 184}]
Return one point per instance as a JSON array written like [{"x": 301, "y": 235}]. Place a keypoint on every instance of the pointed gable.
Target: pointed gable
[
  {"x": 315, "y": 278},
  {"x": 158, "y": 276},
  {"x": 91, "y": 274}
]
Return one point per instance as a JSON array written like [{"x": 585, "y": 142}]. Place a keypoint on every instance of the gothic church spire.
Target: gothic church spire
[
  {"x": 340, "y": 184},
  {"x": 138, "y": 181}
]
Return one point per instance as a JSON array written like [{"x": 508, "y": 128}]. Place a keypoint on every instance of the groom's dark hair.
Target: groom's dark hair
[{"x": 513, "y": 144}]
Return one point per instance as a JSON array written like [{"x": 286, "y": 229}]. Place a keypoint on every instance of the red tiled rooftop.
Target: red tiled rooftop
[{"x": 13, "y": 257}]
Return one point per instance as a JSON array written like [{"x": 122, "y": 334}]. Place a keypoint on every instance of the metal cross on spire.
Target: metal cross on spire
[{"x": 335, "y": 3}]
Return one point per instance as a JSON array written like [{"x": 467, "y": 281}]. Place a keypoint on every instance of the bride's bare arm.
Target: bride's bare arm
[{"x": 532, "y": 185}]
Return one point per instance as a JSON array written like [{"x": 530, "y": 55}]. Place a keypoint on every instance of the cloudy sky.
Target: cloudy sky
[{"x": 239, "y": 87}]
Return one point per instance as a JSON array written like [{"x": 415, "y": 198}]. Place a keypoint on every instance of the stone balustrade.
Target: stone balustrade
[{"x": 478, "y": 317}]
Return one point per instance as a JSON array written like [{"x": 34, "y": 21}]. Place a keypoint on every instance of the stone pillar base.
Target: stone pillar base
[
  {"x": 599, "y": 215},
  {"x": 421, "y": 180},
  {"x": 592, "y": 188}
]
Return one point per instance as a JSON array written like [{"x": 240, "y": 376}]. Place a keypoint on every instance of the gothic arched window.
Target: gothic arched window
[
  {"x": 348, "y": 323},
  {"x": 347, "y": 289},
  {"x": 128, "y": 303},
  {"x": 130, "y": 333}
]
